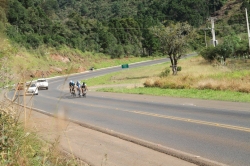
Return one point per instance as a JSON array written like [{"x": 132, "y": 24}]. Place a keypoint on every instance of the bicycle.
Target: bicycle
[
  {"x": 73, "y": 93},
  {"x": 84, "y": 92},
  {"x": 79, "y": 91}
]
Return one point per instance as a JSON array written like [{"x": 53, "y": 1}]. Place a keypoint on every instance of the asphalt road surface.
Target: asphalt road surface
[{"x": 215, "y": 130}]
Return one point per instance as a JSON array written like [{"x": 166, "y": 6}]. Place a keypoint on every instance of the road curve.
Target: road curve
[{"x": 215, "y": 130}]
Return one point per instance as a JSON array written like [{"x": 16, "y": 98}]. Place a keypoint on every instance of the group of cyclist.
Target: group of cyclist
[{"x": 81, "y": 88}]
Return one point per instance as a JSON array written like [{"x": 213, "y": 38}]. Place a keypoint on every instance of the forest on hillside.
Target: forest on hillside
[{"x": 113, "y": 27}]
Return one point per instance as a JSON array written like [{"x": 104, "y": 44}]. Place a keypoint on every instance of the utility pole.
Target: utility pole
[
  {"x": 206, "y": 38},
  {"x": 205, "y": 29},
  {"x": 248, "y": 30},
  {"x": 212, "y": 31}
]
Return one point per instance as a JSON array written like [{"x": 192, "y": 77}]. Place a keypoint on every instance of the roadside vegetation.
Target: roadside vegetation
[
  {"x": 22, "y": 146},
  {"x": 46, "y": 62},
  {"x": 117, "y": 28},
  {"x": 197, "y": 79}
]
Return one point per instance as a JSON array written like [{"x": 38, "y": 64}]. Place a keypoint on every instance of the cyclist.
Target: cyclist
[
  {"x": 78, "y": 85},
  {"x": 84, "y": 88},
  {"x": 71, "y": 86}
]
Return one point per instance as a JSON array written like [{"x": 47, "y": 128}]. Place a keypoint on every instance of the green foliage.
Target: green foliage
[
  {"x": 33, "y": 40},
  {"x": 128, "y": 50},
  {"x": 245, "y": 4},
  {"x": 237, "y": 19},
  {"x": 179, "y": 68},
  {"x": 174, "y": 41},
  {"x": 98, "y": 26},
  {"x": 209, "y": 53},
  {"x": 84, "y": 10},
  {"x": 19, "y": 147},
  {"x": 232, "y": 46},
  {"x": 117, "y": 51},
  {"x": 165, "y": 73}
]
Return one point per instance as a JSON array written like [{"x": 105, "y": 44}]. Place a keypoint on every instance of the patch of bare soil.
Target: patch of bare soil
[
  {"x": 60, "y": 58},
  {"x": 55, "y": 70}
]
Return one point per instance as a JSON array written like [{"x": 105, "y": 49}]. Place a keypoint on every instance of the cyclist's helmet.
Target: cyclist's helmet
[{"x": 71, "y": 81}]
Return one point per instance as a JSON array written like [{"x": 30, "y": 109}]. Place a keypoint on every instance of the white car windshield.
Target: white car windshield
[
  {"x": 33, "y": 85},
  {"x": 41, "y": 80}
]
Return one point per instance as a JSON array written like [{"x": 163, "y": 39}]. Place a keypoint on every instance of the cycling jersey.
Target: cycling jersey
[{"x": 78, "y": 85}]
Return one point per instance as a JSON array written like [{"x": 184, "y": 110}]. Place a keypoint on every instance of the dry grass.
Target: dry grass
[
  {"x": 20, "y": 143},
  {"x": 199, "y": 74},
  {"x": 227, "y": 84}
]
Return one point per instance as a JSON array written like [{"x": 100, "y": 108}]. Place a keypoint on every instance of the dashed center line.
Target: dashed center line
[{"x": 239, "y": 128}]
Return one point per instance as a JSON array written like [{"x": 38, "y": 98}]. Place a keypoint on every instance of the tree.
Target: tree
[
  {"x": 242, "y": 49},
  {"x": 231, "y": 46},
  {"x": 74, "y": 22},
  {"x": 150, "y": 43},
  {"x": 117, "y": 52},
  {"x": 173, "y": 41}
]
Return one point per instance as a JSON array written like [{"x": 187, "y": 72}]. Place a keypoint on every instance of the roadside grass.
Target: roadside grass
[
  {"x": 206, "y": 94},
  {"x": 21, "y": 143},
  {"x": 41, "y": 60},
  {"x": 20, "y": 146},
  {"x": 136, "y": 75},
  {"x": 198, "y": 79}
]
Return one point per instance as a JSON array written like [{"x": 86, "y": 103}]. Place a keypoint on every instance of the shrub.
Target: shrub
[
  {"x": 179, "y": 68},
  {"x": 33, "y": 40},
  {"x": 209, "y": 53},
  {"x": 158, "y": 83},
  {"x": 148, "y": 83},
  {"x": 165, "y": 73}
]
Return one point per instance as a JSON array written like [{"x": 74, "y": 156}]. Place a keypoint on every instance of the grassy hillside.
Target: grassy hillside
[{"x": 44, "y": 62}]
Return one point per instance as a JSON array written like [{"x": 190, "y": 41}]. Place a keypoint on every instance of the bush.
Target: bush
[
  {"x": 148, "y": 83},
  {"x": 209, "y": 53},
  {"x": 165, "y": 73},
  {"x": 34, "y": 40},
  {"x": 179, "y": 68}
]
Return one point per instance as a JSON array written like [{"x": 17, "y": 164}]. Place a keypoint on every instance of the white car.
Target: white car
[
  {"x": 42, "y": 83},
  {"x": 32, "y": 89}
]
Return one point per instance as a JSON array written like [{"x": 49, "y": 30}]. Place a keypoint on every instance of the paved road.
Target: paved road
[{"x": 218, "y": 131}]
